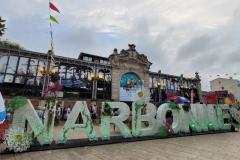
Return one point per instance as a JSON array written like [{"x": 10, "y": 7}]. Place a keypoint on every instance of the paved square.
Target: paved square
[{"x": 207, "y": 147}]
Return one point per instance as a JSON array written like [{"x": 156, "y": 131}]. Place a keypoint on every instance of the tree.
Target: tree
[
  {"x": 2, "y": 27},
  {"x": 6, "y": 43},
  {"x": 11, "y": 45}
]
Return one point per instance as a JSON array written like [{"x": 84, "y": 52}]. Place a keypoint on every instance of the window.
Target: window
[
  {"x": 30, "y": 81},
  {"x": 75, "y": 73},
  {"x": 154, "y": 82},
  {"x": 86, "y": 73},
  {"x": 108, "y": 77},
  {"x": 70, "y": 72},
  {"x": 55, "y": 68},
  {"x": 19, "y": 80},
  {"x": 39, "y": 81},
  {"x": 8, "y": 78},
  {"x": 83, "y": 74},
  {"x": 33, "y": 67},
  {"x": 3, "y": 63},
  {"x": 104, "y": 61},
  {"x": 150, "y": 82},
  {"x": 1, "y": 78},
  {"x": 168, "y": 84},
  {"x": 88, "y": 59},
  {"x": 22, "y": 67},
  {"x": 12, "y": 64},
  {"x": 85, "y": 58},
  {"x": 62, "y": 71},
  {"x": 41, "y": 66}
]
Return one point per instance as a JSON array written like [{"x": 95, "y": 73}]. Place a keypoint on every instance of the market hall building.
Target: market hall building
[{"x": 123, "y": 76}]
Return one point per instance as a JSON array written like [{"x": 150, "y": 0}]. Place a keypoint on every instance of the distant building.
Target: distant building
[
  {"x": 217, "y": 97},
  {"x": 224, "y": 84}
]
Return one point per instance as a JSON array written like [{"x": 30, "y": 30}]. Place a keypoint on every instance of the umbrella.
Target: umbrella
[{"x": 179, "y": 99}]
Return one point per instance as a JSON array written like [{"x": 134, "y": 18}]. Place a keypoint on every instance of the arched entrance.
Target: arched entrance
[
  {"x": 130, "y": 87},
  {"x": 129, "y": 64}
]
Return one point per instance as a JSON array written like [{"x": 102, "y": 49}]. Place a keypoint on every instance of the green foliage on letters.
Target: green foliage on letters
[
  {"x": 173, "y": 106},
  {"x": 87, "y": 124},
  {"x": 162, "y": 131},
  {"x": 16, "y": 103},
  {"x": 138, "y": 105},
  {"x": 186, "y": 107},
  {"x": 107, "y": 110},
  {"x": 51, "y": 102}
]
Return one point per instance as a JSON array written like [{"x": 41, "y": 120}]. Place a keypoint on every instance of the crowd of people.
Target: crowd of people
[{"x": 62, "y": 113}]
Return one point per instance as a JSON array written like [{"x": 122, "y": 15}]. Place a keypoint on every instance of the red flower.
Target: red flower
[{"x": 3, "y": 128}]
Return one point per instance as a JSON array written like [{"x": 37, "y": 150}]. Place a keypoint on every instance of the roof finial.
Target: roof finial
[
  {"x": 132, "y": 47},
  {"x": 115, "y": 51}
]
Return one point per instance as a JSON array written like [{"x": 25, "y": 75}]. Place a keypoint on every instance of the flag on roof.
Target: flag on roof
[
  {"x": 53, "y": 19},
  {"x": 53, "y": 7}
]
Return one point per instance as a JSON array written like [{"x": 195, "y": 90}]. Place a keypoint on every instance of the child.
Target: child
[{"x": 169, "y": 121}]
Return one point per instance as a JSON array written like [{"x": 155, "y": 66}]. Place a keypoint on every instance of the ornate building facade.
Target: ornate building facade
[{"x": 123, "y": 76}]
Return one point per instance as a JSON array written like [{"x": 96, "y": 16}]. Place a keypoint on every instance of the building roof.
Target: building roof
[
  {"x": 76, "y": 61},
  {"x": 224, "y": 79},
  {"x": 91, "y": 55}
]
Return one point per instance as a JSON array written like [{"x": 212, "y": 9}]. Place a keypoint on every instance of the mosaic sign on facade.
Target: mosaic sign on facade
[{"x": 130, "y": 87}]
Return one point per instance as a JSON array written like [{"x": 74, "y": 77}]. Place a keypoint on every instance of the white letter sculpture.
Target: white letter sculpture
[{"x": 71, "y": 126}]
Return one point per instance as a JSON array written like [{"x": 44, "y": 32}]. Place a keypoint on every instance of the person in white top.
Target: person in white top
[{"x": 68, "y": 111}]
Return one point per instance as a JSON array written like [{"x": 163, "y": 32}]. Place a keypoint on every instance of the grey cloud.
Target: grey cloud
[
  {"x": 205, "y": 62},
  {"x": 140, "y": 34},
  {"x": 204, "y": 38},
  {"x": 233, "y": 58},
  {"x": 72, "y": 41},
  {"x": 195, "y": 47}
]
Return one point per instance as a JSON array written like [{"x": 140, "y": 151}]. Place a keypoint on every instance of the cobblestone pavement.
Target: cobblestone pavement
[{"x": 207, "y": 147}]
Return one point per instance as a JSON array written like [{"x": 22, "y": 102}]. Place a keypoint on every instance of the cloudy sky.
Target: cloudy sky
[{"x": 177, "y": 36}]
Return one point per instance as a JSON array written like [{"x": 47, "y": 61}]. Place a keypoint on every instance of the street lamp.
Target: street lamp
[
  {"x": 159, "y": 90},
  {"x": 94, "y": 77},
  {"x": 159, "y": 87},
  {"x": 46, "y": 74}
]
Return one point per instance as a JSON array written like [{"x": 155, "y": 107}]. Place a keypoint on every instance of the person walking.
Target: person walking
[
  {"x": 68, "y": 111},
  {"x": 93, "y": 111},
  {"x": 64, "y": 113},
  {"x": 58, "y": 114}
]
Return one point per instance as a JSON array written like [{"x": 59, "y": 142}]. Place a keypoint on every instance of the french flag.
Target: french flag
[{"x": 2, "y": 110}]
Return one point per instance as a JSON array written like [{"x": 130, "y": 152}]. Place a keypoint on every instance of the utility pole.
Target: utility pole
[{"x": 2, "y": 27}]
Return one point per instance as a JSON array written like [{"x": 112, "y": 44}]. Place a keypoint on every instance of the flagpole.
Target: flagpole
[
  {"x": 50, "y": 24},
  {"x": 49, "y": 58}
]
